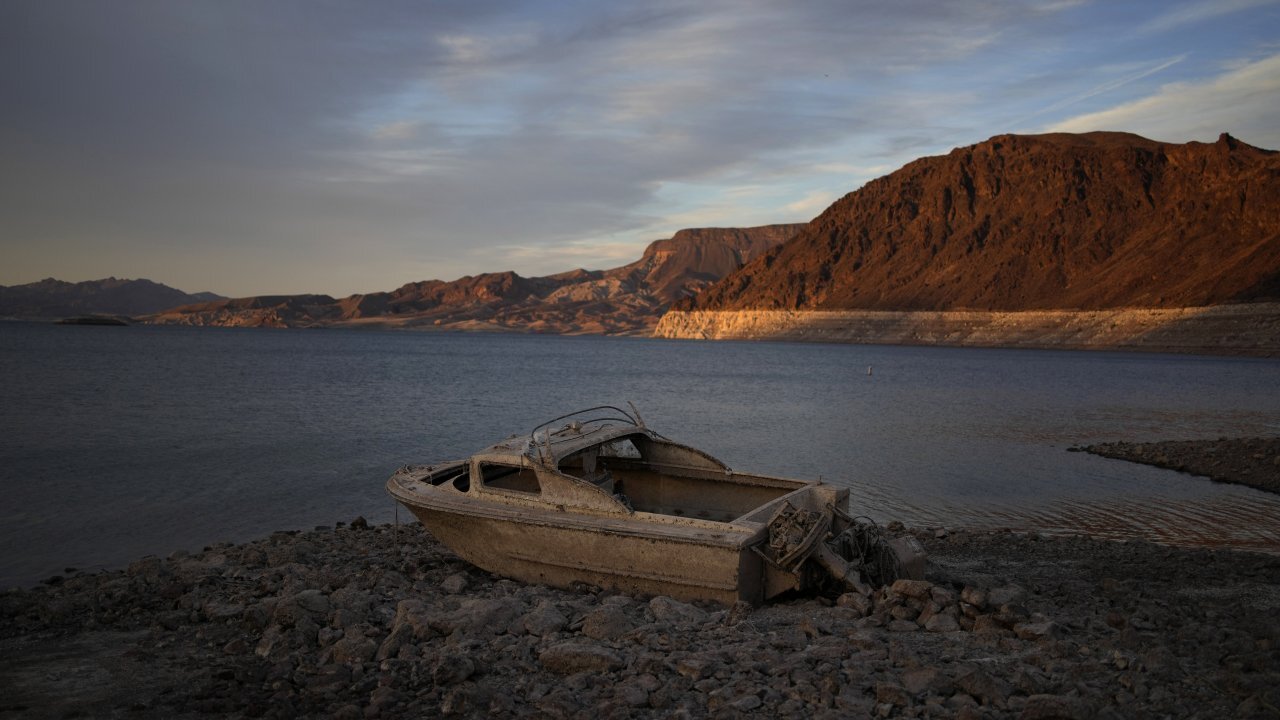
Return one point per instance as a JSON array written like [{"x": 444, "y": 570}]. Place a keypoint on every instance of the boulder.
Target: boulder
[{"x": 573, "y": 657}]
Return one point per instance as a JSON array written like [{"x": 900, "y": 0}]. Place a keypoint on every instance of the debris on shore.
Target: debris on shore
[
  {"x": 1254, "y": 462},
  {"x": 382, "y": 621}
]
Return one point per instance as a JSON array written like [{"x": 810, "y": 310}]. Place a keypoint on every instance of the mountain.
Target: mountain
[
  {"x": 50, "y": 298},
  {"x": 623, "y": 300},
  {"x": 1035, "y": 222}
]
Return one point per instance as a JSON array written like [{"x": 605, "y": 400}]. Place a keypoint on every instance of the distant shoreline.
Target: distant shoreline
[
  {"x": 1242, "y": 330},
  {"x": 1251, "y": 329}
]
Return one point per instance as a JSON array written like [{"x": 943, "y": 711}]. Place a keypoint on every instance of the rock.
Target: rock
[
  {"x": 572, "y": 657},
  {"x": 349, "y": 598},
  {"x": 902, "y": 626},
  {"x": 360, "y": 523},
  {"x": 353, "y": 648},
  {"x": 329, "y": 635},
  {"x": 606, "y": 623},
  {"x": 857, "y": 602},
  {"x": 1036, "y": 630},
  {"x": 256, "y": 616},
  {"x": 1005, "y": 595},
  {"x": 486, "y": 616},
  {"x": 150, "y": 569},
  {"x": 1011, "y": 614},
  {"x": 696, "y": 667},
  {"x": 915, "y": 589},
  {"x": 413, "y": 615},
  {"x": 740, "y": 611},
  {"x": 888, "y": 693},
  {"x": 464, "y": 700},
  {"x": 989, "y": 690},
  {"x": 927, "y": 681},
  {"x": 632, "y": 695},
  {"x": 274, "y": 644},
  {"x": 904, "y": 612},
  {"x": 1053, "y": 707},
  {"x": 791, "y": 638},
  {"x": 665, "y": 609},
  {"x": 348, "y": 712},
  {"x": 455, "y": 584},
  {"x": 222, "y": 612},
  {"x": 307, "y": 605},
  {"x": 942, "y": 622},
  {"x": 400, "y": 636},
  {"x": 452, "y": 669},
  {"x": 545, "y": 620},
  {"x": 989, "y": 625}
]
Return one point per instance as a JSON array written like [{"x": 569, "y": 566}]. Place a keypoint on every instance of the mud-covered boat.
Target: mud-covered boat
[{"x": 597, "y": 497}]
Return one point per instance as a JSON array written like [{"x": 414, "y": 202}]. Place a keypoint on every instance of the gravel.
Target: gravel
[{"x": 375, "y": 621}]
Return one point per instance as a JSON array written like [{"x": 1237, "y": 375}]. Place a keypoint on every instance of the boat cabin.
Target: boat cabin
[{"x": 612, "y": 464}]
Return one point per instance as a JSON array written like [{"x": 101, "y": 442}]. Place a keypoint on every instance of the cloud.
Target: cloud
[
  {"x": 811, "y": 204},
  {"x": 1199, "y": 12},
  {"x": 350, "y": 141},
  {"x": 1244, "y": 101},
  {"x": 1125, "y": 76},
  {"x": 399, "y": 130}
]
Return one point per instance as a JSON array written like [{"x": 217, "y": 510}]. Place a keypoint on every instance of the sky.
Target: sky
[{"x": 247, "y": 147}]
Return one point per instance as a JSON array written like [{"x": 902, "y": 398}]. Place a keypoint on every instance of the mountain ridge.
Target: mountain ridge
[
  {"x": 624, "y": 300},
  {"x": 51, "y": 298},
  {"x": 1035, "y": 222}
]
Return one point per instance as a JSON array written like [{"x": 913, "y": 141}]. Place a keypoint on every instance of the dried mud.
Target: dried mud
[{"x": 363, "y": 622}]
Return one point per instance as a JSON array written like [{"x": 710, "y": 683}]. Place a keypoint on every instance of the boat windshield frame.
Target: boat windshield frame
[{"x": 583, "y": 424}]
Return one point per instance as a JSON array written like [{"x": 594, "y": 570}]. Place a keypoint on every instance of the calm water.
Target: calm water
[{"x": 121, "y": 442}]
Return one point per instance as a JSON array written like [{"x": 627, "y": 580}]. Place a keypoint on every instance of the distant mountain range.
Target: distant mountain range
[
  {"x": 624, "y": 300},
  {"x": 1035, "y": 222},
  {"x": 52, "y": 299},
  {"x": 1057, "y": 222}
]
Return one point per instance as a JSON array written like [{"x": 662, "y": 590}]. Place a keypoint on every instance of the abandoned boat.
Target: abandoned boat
[{"x": 597, "y": 497}]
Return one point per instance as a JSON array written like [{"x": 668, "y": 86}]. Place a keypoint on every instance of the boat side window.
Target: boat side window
[{"x": 506, "y": 477}]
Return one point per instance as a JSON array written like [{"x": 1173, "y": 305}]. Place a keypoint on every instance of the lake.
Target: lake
[{"x": 116, "y": 443}]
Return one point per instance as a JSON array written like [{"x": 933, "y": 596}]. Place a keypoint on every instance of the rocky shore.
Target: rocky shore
[
  {"x": 1241, "y": 329},
  {"x": 1254, "y": 462},
  {"x": 366, "y": 622}
]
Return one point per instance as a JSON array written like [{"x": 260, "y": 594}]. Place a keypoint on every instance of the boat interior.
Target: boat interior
[
  {"x": 642, "y": 470},
  {"x": 669, "y": 479}
]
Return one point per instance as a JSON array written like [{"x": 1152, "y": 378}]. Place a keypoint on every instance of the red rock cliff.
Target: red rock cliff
[{"x": 1020, "y": 222}]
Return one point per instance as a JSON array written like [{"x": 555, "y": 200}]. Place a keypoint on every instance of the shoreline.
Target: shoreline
[
  {"x": 1226, "y": 331},
  {"x": 1251, "y": 330},
  {"x": 360, "y": 621},
  {"x": 1252, "y": 462}
]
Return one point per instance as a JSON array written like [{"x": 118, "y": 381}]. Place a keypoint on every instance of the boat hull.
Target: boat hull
[{"x": 633, "y": 560}]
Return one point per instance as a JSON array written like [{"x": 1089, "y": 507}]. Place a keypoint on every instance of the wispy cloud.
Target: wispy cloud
[
  {"x": 811, "y": 204},
  {"x": 1126, "y": 76},
  {"x": 1198, "y": 12},
  {"x": 400, "y": 130},
  {"x": 1244, "y": 101}
]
